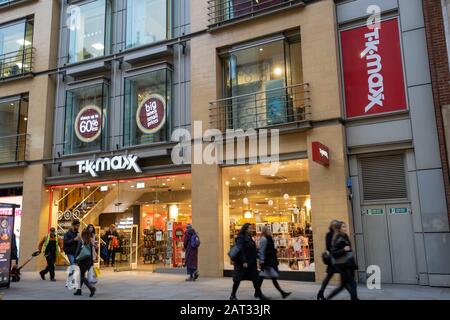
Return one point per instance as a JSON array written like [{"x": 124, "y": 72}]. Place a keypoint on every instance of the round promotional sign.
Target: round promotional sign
[
  {"x": 88, "y": 124},
  {"x": 151, "y": 113}
]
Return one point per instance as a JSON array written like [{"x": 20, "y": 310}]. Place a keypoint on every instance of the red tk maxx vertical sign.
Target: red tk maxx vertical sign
[{"x": 373, "y": 69}]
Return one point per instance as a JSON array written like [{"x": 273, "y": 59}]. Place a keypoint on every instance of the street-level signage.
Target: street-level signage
[
  {"x": 116, "y": 163},
  {"x": 372, "y": 212},
  {"x": 151, "y": 114},
  {"x": 399, "y": 211},
  {"x": 88, "y": 123},
  {"x": 373, "y": 69},
  {"x": 320, "y": 153},
  {"x": 6, "y": 232}
]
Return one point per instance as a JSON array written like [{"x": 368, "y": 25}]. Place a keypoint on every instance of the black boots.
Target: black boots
[
  {"x": 42, "y": 274},
  {"x": 92, "y": 290},
  {"x": 285, "y": 294},
  {"x": 320, "y": 296}
]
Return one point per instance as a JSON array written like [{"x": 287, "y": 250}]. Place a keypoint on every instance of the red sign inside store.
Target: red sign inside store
[
  {"x": 373, "y": 69},
  {"x": 320, "y": 154}
]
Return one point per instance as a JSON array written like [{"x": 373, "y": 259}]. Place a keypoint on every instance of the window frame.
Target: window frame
[
  {"x": 107, "y": 39},
  {"x": 105, "y": 115},
  {"x": 169, "y": 103},
  {"x": 27, "y": 51},
  {"x": 169, "y": 26}
]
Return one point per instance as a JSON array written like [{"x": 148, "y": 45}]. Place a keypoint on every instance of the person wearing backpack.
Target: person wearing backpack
[
  {"x": 84, "y": 259},
  {"x": 191, "y": 243}
]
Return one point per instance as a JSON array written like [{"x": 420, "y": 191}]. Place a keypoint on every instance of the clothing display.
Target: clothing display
[{"x": 293, "y": 242}]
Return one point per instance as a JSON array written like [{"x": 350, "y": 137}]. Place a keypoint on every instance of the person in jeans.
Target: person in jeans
[
  {"x": 71, "y": 240},
  {"x": 191, "y": 243},
  {"x": 268, "y": 261},
  {"x": 111, "y": 239},
  {"x": 85, "y": 261},
  {"x": 50, "y": 245},
  {"x": 330, "y": 268},
  {"x": 245, "y": 267},
  {"x": 344, "y": 261}
]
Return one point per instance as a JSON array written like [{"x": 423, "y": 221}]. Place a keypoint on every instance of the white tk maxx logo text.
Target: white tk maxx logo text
[
  {"x": 107, "y": 164},
  {"x": 374, "y": 63}
]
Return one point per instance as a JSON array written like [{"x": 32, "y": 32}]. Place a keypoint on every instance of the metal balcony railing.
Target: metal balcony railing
[
  {"x": 14, "y": 148},
  {"x": 16, "y": 63},
  {"x": 261, "y": 109},
  {"x": 224, "y": 10},
  {"x": 7, "y": 2}
]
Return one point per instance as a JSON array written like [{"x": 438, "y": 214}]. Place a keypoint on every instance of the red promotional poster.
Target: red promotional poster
[{"x": 373, "y": 70}]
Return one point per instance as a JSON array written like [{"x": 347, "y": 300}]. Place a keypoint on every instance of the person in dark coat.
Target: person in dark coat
[
  {"x": 71, "y": 240},
  {"x": 330, "y": 268},
  {"x": 111, "y": 238},
  {"x": 191, "y": 243},
  {"x": 268, "y": 261},
  {"x": 245, "y": 266},
  {"x": 344, "y": 261}
]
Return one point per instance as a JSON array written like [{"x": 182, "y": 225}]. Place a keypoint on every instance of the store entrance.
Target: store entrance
[
  {"x": 139, "y": 223},
  {"x": 280, "y": 202}
]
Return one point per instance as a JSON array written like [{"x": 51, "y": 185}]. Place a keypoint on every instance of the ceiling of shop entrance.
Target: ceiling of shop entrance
[
  {"x": 273, "y": 194},
  {"x": 288, "y": 172}
]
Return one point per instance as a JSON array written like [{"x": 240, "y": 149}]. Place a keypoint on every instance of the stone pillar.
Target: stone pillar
[
  {"x": 35, "y": 215},
  {"x": 207, "y": 217},
  {"x": 328, "y": 188}
]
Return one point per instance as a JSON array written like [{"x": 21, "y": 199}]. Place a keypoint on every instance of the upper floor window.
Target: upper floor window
[
  {"x": 89, "y": 30},
  {"x": 263, "y": 84},
  {"x": 16, "y": 43},
  {"x": 85, "y": 119},
  {"x": 13, "y": 128},
  {"x": 148, "y": 21},
  {"x": 147, "y": 107}
]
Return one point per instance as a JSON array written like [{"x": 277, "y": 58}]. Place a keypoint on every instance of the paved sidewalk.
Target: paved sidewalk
[{"x": 134, "y": 285}]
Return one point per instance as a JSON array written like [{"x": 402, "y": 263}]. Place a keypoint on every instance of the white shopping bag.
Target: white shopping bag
[
  {"x": 73, "y": 277},
  {"x": 91, "y": 277}
]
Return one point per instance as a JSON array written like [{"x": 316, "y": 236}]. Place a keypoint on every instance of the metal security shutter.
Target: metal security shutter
[{"x": 383, "y": 178}]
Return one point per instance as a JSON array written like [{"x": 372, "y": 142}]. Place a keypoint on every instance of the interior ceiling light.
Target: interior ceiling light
[
  {"x": 140, "y": 185},
  {"x": 98, "y": 46}
]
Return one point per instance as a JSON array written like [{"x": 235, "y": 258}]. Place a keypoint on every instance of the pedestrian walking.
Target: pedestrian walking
[
  {"x": 50, "y": 245},
  {"x": 111, "y": 238},
  {"x": 71, "y": 240},
  {"x": 94, "y": 241},
  {"x": 84, "y": 260},
  {"x": 326, "y": 256},
  {"x": 343, "y": 261},
  {"x": 191, "y": 243},
  {"x": 268, "y": 261},
  {"x": 245, "y": 264}
]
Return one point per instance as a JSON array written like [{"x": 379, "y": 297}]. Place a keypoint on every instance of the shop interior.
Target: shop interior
[
  {"x": 280, "y": 201},
  {"x": 150, "y": 215}
]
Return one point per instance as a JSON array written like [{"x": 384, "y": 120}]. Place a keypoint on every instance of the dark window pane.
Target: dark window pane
[
  {"x": 139, "y": 90},
  {"x": 86, "y": 124}
]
